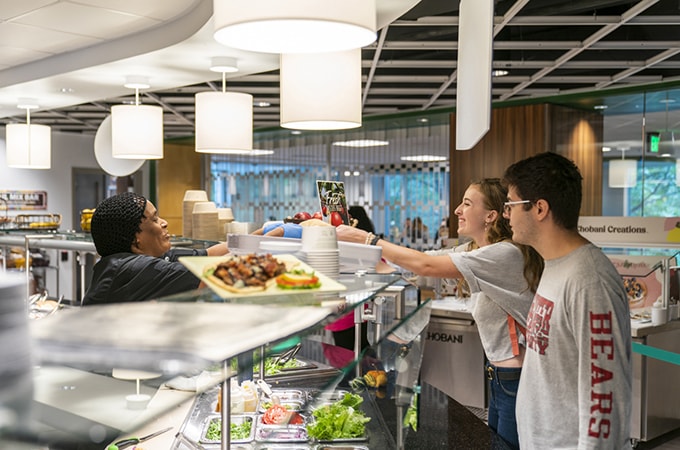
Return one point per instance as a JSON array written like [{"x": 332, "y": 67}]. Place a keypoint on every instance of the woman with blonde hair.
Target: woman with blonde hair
[{"x": 500, "y": 276}]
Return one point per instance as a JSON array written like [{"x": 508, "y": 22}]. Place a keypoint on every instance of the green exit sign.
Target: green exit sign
[{"x": 654, "y": 143}]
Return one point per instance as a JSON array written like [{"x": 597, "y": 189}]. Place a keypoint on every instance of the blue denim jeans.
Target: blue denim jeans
[{"x": 502, "y": 400}]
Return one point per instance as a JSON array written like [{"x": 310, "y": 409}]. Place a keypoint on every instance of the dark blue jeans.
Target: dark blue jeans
[{"x": 503, "y": 383}]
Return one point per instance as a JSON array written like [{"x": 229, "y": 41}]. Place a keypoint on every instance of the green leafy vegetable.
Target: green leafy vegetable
[
  {"x": 339, "y": 420},
  {"x": 238, "y": 431},
  {"x": 270, "y": 368},
  {"x": 411, "y": 416}
]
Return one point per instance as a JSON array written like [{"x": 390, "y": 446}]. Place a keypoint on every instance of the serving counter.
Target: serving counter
[{"x": 79, "y": 402}]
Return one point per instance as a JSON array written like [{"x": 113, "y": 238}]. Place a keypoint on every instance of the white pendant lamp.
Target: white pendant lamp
[
  {"x": 321, "y": 91},
  {"x": 28, "y": 145},
  {"x": 294, "y": 26},
  {"x": 622, "y": 173},
  {"x": 224, "y": 120},
  {"x": 137, "y": 130}
]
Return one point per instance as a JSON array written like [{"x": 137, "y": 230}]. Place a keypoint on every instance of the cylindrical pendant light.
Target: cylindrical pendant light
[
  {"x": 136, "y": 130},
  {"x": 321, "y": 91},
  {"x": 622, "y": 173},
  {"x": 28, "y": 145},
  {"x": 224, "y": 122},
  {"x": 294, "y": 26}
]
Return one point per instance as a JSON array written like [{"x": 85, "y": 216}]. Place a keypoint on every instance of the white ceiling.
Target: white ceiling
[{"x": 72, "y": 56}]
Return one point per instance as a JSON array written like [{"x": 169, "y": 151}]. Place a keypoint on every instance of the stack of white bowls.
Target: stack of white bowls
[
  {"x": 224, "y": 216},
  {"x": 205, "y": 222},
  {"x": 320, "y": 250},
  {"x": 190, "y": 199}
]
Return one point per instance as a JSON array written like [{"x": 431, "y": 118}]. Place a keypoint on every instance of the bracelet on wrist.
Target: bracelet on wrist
[
  {"x": 375, "y": 240},
  {"x": 369, "y": 238}
]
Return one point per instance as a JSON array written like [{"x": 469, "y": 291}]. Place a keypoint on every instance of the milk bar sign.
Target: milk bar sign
[{"x": 24, "y": 200}]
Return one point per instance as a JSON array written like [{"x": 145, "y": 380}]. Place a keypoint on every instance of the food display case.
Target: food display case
[
  {"x": 651, "y": 276},
  {"x": 79, "y": 402}
]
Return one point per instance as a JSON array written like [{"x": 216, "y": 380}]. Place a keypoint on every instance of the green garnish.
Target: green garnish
[{"x": 238, "y": 431}]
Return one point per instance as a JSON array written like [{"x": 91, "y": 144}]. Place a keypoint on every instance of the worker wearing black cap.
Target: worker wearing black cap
[{"x": 137, "y": 262}]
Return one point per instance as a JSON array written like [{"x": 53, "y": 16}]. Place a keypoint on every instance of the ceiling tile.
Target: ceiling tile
[
  {"x": 13, "y": 56},
  {"x": 87, "y": 20},
  {"x": 42, "y": 40},
  {"x": 12, "y": 8},
  {"x": 154, "y": 9}
]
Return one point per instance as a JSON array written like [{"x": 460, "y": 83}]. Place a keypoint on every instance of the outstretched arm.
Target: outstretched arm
[{"x": 412, "y": 260}]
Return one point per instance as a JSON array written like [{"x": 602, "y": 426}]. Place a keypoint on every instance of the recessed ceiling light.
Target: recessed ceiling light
[
  {"x": 606, "y": 149},
  {"x": 600, "y": 107},
  {"x": 347, "y": 173},
  {"x": 423, "y": 120},
  {"x": 499, "y": 73},
  {"x": 66, "y": 90},
  {"x": 296, "y": 132},
  {"x": 361, "y": 143},
  {"x": 246, "y": 152},
  {"x": 356, "y": 173},
  {"x": 424, "y": 158},
  {"x": 665, "y": 155},
  {"x": 262, "y": 104}
]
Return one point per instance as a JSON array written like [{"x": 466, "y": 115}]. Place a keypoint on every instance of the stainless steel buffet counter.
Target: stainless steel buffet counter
[{"x": 78, "y": 400}]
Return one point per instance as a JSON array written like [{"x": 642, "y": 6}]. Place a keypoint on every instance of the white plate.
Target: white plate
[
  {"x": 280, "y": 246},
  {"x": 198, "y": 264}
]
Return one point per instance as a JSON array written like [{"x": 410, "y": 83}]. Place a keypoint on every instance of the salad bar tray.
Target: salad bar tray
[{"x": 198, "y": 430}]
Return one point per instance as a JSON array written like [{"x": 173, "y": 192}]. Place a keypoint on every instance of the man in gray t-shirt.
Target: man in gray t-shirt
[{"x": 575, "y": 390}]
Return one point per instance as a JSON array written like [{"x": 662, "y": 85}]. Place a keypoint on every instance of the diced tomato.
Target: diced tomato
[{"x": 279, "y": 415}]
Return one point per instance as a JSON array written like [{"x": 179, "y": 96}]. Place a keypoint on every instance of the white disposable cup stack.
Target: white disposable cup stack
[
  {"x": 224, "y": 216},
  {"x": 659, "y": 315},
  {"x": 205, "y": 221},
  {"x": 191, "y": 197},
  {"x": 319, "y": 239},
  {"x": 320, "y": 250}
]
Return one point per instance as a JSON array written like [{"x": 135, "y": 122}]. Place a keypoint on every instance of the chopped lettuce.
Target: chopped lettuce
[
  {"x": 238, "y": 431},
  {"x": 339, "y": 420}
]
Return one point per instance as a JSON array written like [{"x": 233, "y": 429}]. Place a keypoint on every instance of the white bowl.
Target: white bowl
[
  {"x": 319, "y": 238},
  {"x": 225, "y": 214},
  {"x": 204, "y": 207},
  {"x": 195, "y": 196}
]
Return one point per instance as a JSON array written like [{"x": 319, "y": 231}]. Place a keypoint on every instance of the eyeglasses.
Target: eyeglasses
[{"x": 507, "y": 206}]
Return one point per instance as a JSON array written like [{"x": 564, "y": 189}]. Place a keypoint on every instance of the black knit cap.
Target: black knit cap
[{"x": 116, "y": 221}]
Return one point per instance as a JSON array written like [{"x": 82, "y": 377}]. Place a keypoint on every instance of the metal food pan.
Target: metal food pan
[
  {"x": 291, "y": 405},
  {"x": 235, "y": 419},
  {"x": 289, "y": 446},
  {"x": 287, "y": 395},
  {"x": 340, "y": 447},
  {"x": 280, "y": 433}
]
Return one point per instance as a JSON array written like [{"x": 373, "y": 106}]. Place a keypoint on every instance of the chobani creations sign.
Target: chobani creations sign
[{"x": 630, "y": 230}]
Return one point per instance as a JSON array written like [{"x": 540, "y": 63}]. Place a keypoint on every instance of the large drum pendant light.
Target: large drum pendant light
[
  {"x": 321, "y": 91},
  {"x": 137, "y": 130},
  {"x": 28, "y": 145},
  {"x": 224, "y": 120},
  {"x": 294, "y": 26}
]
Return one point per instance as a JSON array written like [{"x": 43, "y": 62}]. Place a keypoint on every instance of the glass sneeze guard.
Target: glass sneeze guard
[{"x": 77, "y": 395}]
